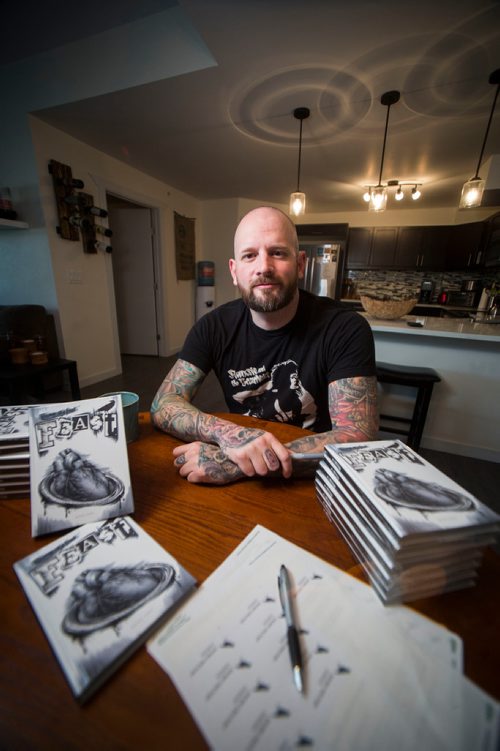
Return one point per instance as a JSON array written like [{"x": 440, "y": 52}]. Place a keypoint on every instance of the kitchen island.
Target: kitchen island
[{"x": 464, "y": 414}]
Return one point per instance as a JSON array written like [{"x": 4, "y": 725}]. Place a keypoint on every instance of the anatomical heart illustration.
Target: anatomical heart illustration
[
  {"x": 78, "y": 464},
  {"x": 98, "y": 592}
]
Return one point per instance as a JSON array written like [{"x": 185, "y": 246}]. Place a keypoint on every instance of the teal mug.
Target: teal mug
[{"x": 130, "y": 403}]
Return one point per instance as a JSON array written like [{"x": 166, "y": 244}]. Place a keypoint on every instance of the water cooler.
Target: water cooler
[{"x": 205, "y": 291}]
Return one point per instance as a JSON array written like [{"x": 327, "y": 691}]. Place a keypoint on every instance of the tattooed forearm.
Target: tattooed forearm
[
  {"x": 354, "y": 415},
  {"x": 228, "y": 435},
  {"x": 173, "y": 412},
  {"x": 353, "y": 409}
]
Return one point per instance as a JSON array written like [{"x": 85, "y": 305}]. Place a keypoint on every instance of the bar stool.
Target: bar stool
[{"x": 422, "y": 379}]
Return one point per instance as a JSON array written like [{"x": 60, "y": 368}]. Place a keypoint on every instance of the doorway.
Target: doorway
[{"x": 134, "y": 276}]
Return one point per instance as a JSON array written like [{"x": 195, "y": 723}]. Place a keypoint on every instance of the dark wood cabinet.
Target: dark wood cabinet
[
  {"x": 465, "y": 246},
  {"x": 383, "y": 249},
  {"x": 359, "y": 244},
  {"x": 409, "y": 252},
  {"x": 434, "y": 247},
  {"x": 428, "y": 248},
  {"x": 492, "y": 242}
]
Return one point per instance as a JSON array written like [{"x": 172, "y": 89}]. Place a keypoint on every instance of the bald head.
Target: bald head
[{"x": 263, "y": 220}]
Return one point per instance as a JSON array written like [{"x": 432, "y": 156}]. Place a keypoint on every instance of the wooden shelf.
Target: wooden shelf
[{"x": 13, "y": 224}]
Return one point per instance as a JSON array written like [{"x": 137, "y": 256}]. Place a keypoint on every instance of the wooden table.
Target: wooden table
[
  {"x": 20, "y": 378},
  {"x": 200, "y": 525}
]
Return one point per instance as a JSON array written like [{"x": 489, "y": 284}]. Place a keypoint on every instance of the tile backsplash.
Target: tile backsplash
[{"x": 408, "y": 282}]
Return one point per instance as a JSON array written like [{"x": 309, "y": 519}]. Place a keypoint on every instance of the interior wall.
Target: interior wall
[
  {"x": 401, "y": 217},
  {"x": 83, "y": 281}
]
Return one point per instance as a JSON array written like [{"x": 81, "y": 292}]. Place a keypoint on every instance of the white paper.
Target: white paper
[{"x": 375, "y": 677}]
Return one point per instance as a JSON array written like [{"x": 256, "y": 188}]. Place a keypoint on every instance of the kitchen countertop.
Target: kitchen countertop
[{"x": 452, "y": 328}]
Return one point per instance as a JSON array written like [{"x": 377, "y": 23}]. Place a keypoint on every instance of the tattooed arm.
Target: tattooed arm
[
  {"x": 252, "y": 451},
  {"x": 354, "y": 415},
  {"x": 353, "y": 412}
]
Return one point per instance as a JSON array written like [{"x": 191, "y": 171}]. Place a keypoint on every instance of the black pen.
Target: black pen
[{"x": 292, "y": 633}]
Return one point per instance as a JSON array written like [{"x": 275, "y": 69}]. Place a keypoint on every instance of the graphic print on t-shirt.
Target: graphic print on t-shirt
[{"x": 277, "y": 395}]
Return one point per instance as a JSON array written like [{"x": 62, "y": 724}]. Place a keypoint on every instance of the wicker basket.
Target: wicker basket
[{"x": 388, "y": 309}]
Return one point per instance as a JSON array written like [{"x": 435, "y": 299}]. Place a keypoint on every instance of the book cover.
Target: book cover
[
  {"x": 14, "y": 424},
  {"x": 98, "y": 592},
  {"x": 400, "y": 584},
  {"x": 79, "y": 468},
  {"x": 412, "y": 498}
]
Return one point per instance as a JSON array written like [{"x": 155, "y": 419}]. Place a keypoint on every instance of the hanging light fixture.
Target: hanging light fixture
[
  {"x": 376, "y": 195},
  {"x": 298, "y": 199},
  {"x": 472, "y": 191}
]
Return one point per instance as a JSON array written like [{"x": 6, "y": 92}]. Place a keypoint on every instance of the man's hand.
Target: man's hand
[
  {"x": 205, "y": 463},
  {"x": 254, "y": 451}
]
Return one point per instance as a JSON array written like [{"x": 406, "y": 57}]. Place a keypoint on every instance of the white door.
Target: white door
[{"x": 134, "y": 280}]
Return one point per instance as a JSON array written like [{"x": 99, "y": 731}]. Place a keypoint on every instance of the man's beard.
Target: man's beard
[{"x": 270, "y": 300}]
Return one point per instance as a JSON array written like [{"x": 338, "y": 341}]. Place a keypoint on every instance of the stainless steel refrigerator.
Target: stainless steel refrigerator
[{"x": 324, "y": 246}]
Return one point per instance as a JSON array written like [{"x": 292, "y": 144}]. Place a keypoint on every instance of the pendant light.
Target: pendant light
[
  {"x": 472, "y": 191},
  {"x": 378, "y": 193},
  {"x": 298, "y": 199}
]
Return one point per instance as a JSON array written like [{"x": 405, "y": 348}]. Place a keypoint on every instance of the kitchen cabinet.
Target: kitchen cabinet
[
  {"x": 371, "y": 247},
  {"x": 427, "y": 248},
  {"x": 359, "y": 244},
  {"x": 492, "y": 242},
  {"x": 434, "y": 247},
  {"x": 465, "y": 246},
  {"x": 383, "y": 248},
  {"x": 409, "y": 253}
]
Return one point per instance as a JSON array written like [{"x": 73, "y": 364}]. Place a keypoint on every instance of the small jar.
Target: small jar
[
  {"x": 19, "y": 355},
  {"x": 38, "y": 358}
]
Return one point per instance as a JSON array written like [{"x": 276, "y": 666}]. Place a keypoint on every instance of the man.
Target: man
[{"x": 279, "y": 353}]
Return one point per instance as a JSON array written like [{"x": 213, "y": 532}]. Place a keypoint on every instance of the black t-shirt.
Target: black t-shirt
[{"x": 282, "y": 375}]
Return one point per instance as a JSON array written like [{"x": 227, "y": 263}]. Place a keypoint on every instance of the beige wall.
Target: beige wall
[
  {"x": 400, "y": 217},
  {"x": 86, "y": 310}
]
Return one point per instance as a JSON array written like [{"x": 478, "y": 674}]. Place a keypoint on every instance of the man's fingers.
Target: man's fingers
[{"x": 271, "y": 459}]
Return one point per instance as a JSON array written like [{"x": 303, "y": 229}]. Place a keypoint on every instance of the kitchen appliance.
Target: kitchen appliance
[
  {"x": 426, "y": 290},
  {"x": 324, "y": 246},
  {"x": 461, "y": 299},
  {"x": 321, "y": 274}
]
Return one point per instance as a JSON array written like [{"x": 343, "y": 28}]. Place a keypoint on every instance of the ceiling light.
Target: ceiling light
[
  {"x": 298, "y": 199},
  {"x": 376, "y": 195},
  {"x": 472, "y": 191}
]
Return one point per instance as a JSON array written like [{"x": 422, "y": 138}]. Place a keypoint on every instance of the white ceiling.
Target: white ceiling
[{"x": 229, "y": 130}]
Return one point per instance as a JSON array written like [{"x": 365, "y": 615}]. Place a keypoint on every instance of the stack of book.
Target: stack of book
[
  {"x": 14, "y": 451},
  {"x": 101, "y": 589},
  {"x": 415, "y": 531}
]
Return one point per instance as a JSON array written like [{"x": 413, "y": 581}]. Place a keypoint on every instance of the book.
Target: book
[
  {"x": 14, "y": 449},
  {"x": 79, "y": 470},
  {"x": 411, "y": 498},
  {"x": 98, "y": 593},
  {"x": 415, "y": 531},
  {"x": 14, "y": 424}
]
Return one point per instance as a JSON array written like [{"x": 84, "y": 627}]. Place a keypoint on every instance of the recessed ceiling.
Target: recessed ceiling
[{"x": 229, "y": 130}]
